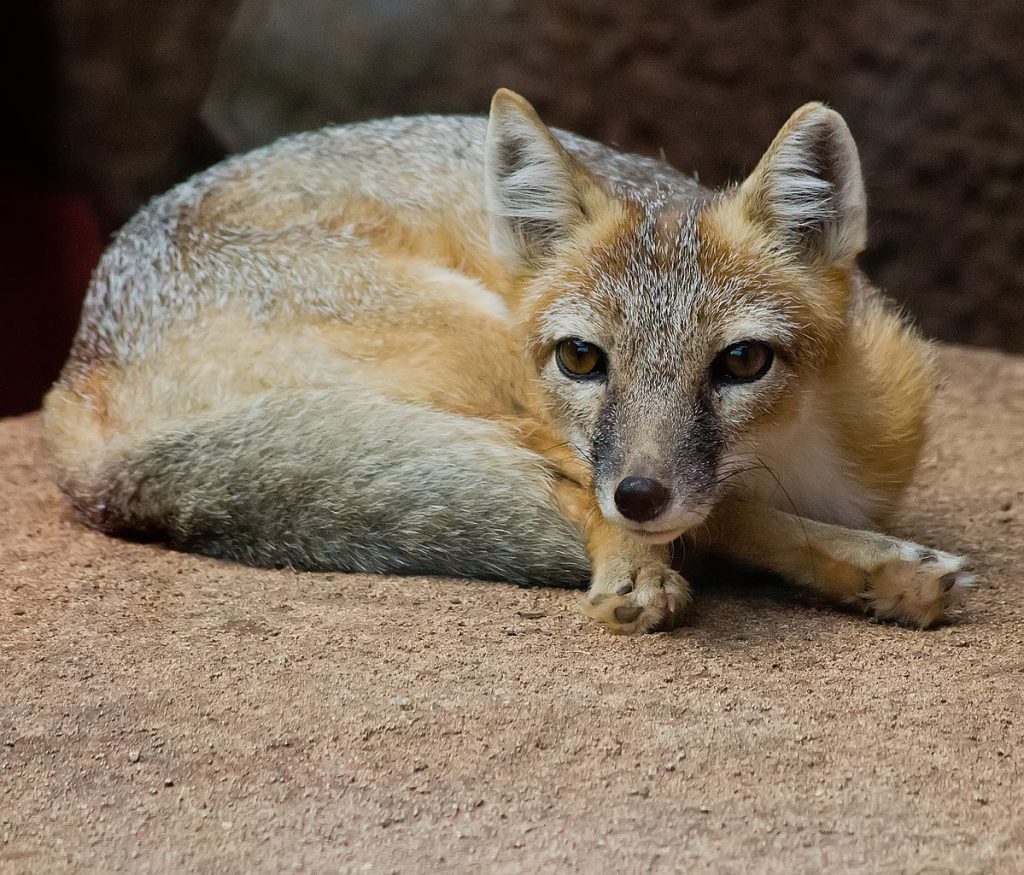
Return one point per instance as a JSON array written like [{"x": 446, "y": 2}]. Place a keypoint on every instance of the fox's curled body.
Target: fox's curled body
[
  {"x": 270, "y": 358},
  {"x": 313, "y": 355}
]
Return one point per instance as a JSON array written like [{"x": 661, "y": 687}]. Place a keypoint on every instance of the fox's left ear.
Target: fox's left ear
[
  {"x": 537, "y": 193},
  {"x": 807, "y": 190}
]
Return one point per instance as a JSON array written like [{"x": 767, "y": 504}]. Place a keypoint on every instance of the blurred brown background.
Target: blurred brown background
[{"x": 112, "y": 101}]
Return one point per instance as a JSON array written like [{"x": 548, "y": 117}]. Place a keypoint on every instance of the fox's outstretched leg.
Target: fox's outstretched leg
[
  {"x": 632, "y": 589},
  {"x": 882, "y": 575}
]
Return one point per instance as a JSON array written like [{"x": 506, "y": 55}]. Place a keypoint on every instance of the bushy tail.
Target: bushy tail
[{"x": 316, "y": 481}]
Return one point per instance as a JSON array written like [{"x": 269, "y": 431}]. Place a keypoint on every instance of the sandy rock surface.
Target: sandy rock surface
[{"x": 174, "y": 713}]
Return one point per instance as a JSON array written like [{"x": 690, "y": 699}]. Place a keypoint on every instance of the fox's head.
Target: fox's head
[{"x": 672, "y": 330}]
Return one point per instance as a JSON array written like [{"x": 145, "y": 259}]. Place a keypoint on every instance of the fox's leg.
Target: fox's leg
[
  {"x": 632, "y": 587},
  {"x": 882, "y": 575}
]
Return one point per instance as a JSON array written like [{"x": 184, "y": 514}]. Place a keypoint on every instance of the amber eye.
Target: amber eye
[
  {"x": 743, "y": 362},
  {"x": 580, "y": 360}
]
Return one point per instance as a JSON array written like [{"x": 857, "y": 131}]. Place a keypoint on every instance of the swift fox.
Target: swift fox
[{"x": 480, "y": 347}]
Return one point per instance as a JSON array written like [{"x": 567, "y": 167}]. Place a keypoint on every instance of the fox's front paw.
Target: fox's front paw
[
  {"x": 632, "y": 598},
  {"x": 917, "y": 586}
]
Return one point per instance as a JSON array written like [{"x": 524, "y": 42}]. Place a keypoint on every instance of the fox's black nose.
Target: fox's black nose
[{"x": 640, "y": 498}]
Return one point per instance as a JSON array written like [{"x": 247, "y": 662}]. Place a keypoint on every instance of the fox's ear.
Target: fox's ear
[
  {"x": 536, "y": 192},
  {"x": 807, "y": 191}
]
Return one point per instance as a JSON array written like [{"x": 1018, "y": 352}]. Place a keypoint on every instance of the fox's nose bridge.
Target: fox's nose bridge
[{"x": 641, "y": 499}]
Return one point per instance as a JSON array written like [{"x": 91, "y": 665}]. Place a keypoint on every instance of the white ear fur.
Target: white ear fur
[
  {"x": 533, "y": 187},
  {"x": 808, "y": 187}
]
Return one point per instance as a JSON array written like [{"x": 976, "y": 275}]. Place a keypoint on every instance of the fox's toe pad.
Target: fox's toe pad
[{"x": 649, "y": 599}]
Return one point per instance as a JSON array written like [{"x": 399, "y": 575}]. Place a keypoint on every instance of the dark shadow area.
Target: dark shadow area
[
  {"x": 49, "y": 236},
  {"x": 89, "y": 136}
]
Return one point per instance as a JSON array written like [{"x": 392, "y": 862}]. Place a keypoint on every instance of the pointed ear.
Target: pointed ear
[
  {"x": 807, "y": 190},
  {"x": 537, "y": 193}
]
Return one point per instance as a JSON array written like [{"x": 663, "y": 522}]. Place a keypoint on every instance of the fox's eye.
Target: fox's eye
[
  {"x": 580, "y": 360},
  {"x": 742, "y": 362}
]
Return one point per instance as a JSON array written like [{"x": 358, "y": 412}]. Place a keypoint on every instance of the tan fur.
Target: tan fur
[
  {"x": 883, "y": 439},
  {"x": 877, "y": 377},
  {"x": 370, "y": 262}
]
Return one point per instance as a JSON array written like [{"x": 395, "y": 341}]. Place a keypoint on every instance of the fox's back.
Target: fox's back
[{"x": 284, "y": 227}]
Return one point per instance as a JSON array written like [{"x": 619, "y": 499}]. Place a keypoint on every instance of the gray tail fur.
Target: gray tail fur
[{"x": 318, "y": 481}]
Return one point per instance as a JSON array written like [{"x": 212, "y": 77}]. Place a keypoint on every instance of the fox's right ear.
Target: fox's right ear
[{"x": 537, "y": 193}]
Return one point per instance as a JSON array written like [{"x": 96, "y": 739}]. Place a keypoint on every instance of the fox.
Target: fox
[{"x": 485, "y": 348}]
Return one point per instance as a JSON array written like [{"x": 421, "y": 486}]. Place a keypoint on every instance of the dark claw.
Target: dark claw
[
  {"x": 948, "y": 581},
  {"x": 627, "y": 613},
  {"x": 625, "y": 589}
]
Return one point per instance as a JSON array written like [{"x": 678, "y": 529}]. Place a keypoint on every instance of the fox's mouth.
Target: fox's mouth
[
  {"x": 658, "y": 536},
  {"x": 652, "y": 534}
]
